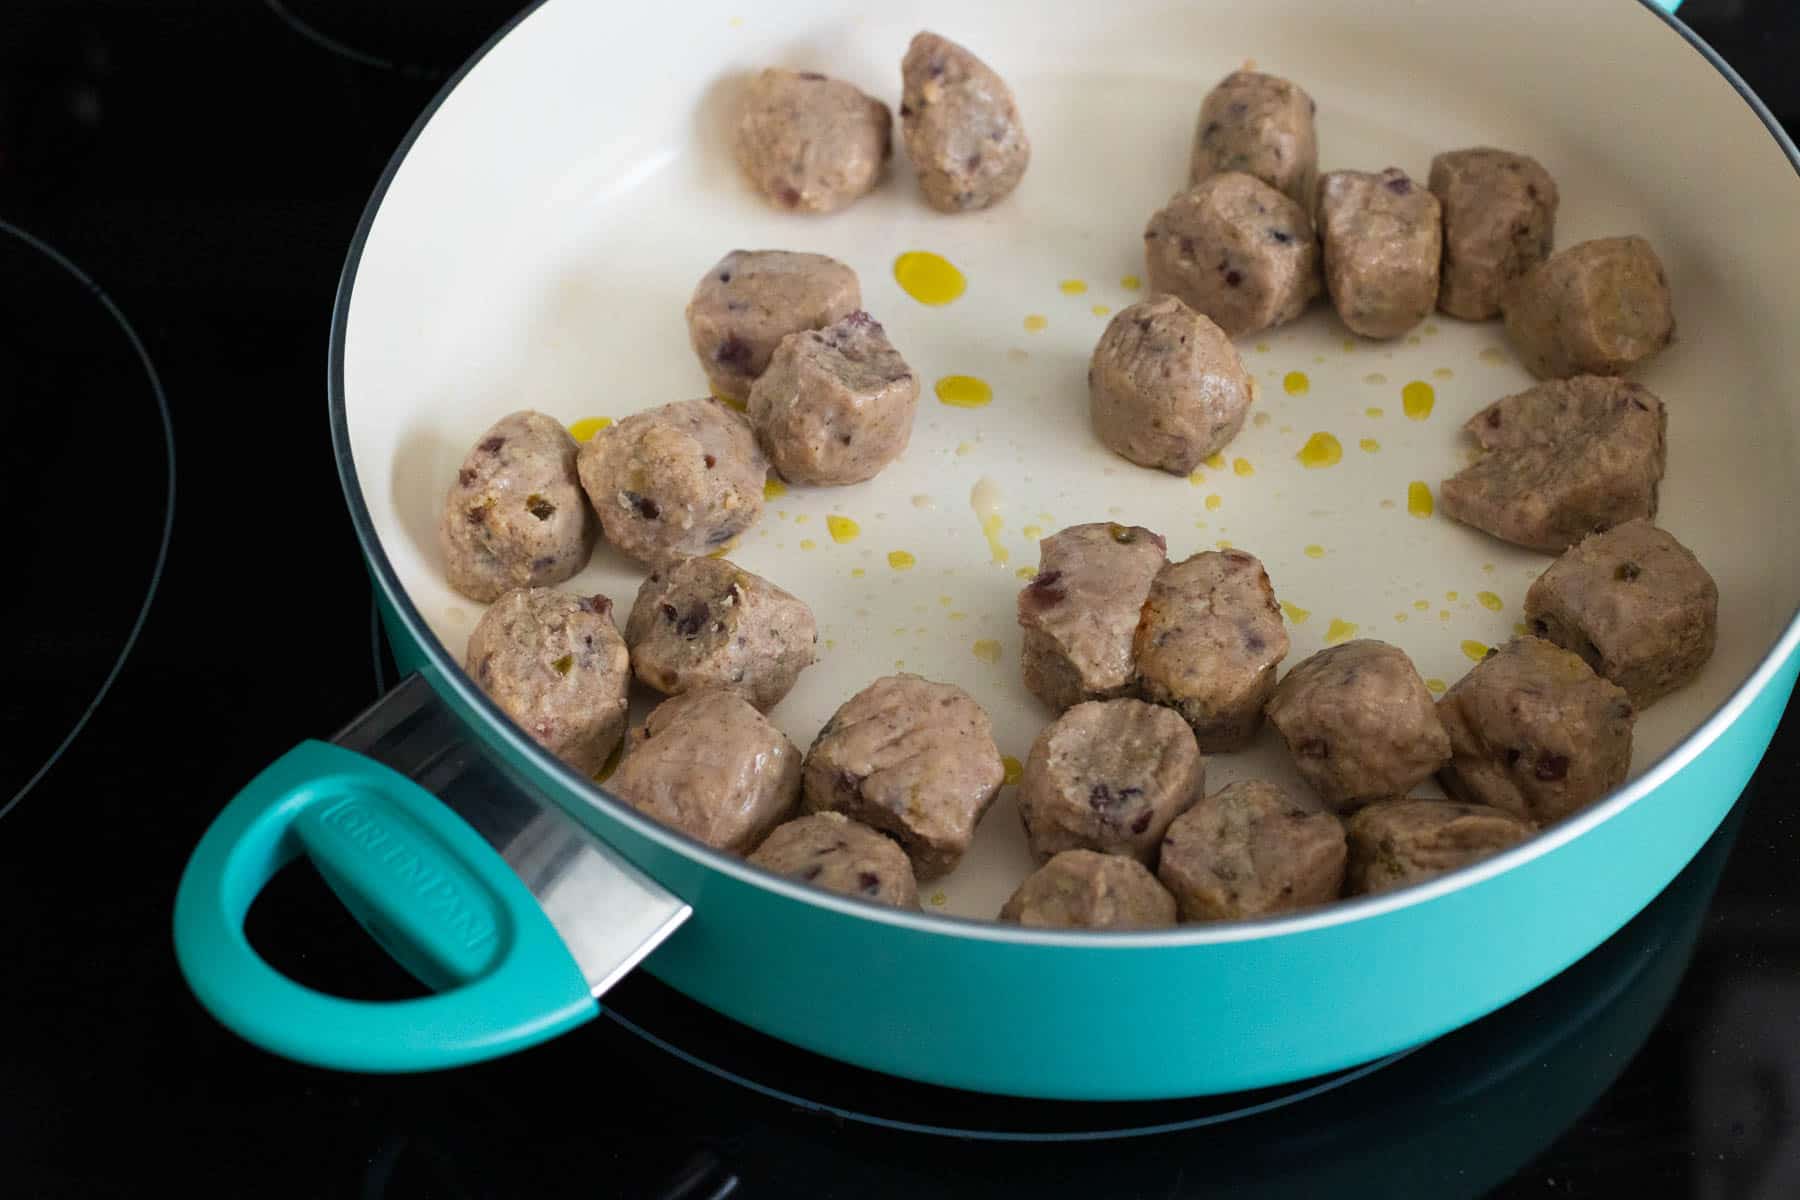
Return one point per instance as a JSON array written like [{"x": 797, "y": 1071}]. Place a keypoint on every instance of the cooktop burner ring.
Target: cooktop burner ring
[
  {"x": 1286, "y": 1098},
  {"x": 87, "y": 284}
]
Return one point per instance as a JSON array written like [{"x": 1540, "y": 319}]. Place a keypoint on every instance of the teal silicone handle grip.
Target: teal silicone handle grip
[{"x": 437, "y": 896}]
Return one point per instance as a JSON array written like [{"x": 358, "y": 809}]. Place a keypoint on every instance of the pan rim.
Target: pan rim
[{"x": 499, "y": 727}]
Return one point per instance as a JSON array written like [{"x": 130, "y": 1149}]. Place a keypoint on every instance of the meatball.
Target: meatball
[
  {"x": 831, "y": 851},
  {"x": 912, "y": 758},
  {"x": 1237, "y": 251},
  {"x": 1252, "y": 850},
  {"x": 1564, "y": 459},
  {"x": 515, "y": 517},
  {"x": 1083, "y": 889},
  {"x": 554, "y": 664},
  {"x": 1166, "y": 386},
  {"x": 1360, "y": 723},
  {"x": 1208, "y": 643},
  {"x": 809, "y": 143},
  {"x": 1383, "y": 238},
  {"x": 1499, "y": 222},
  {"x": 1596, "y": 308},
  {"x": 961, "y": 126},
  {"x": 1080, "y": 611},
  {"x": 706, "y": 623},
  {"x": 836, "y": 404},
  {"x": 1535, "y": 732},
  {"x": 1400, "y": 842},
  {"x": 677, "y": 480},
  {"x": 1109, "y": 775},
  {"x": 751, "y": 299},
  {"x": 710, "y": 765},
  {"x": 1261, "y": 125},
  {"x": 1635, "y": 604}
]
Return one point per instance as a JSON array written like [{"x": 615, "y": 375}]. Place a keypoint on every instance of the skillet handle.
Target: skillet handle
[{"x": 433, "y": 892}]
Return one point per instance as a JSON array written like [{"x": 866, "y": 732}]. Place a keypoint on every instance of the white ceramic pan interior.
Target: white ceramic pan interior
[{"x": 539, "y": 243}]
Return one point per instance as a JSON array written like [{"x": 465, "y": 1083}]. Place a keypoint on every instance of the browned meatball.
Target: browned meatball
[
  {"x": 1166, "y": 386},
  {"x": 1108, "y": 775},
  {"x": 1401, "y": 842},
  {"x": 1499, "y": 222},
  {"x": 516, "y": 516},
  {"x": 710, "y": 765},
  {"x": 836, "y": 404},
  {"x": 1535, "y": 732},
  {"x": 1564, "y": 459},
  {"x": 675, "y": 481},
  {"x": 961, "y": 126},
  {"x": 1083, "y": 889},
  {"x": 1081, "y": 609},
  {"x": 1635, "y": 604},
  {"x": 707, "y": 623},
  {"x": 1252, "y": 850},
  {"x": 1360, "y": 723},
  {"x": 1237, "y": 251},
  {"x": 912, "y": 758},
  {"x": 830, "y": 851},
  {"x": 1261, "y": 125},
  {"x": 809, "y": 143},
  {"x": 554, "y": 664},
  {"x": 1596, "y": 308},
  {"x": 1208, "y": 644},
  {"x": 1383, "y": 240},
  {"x": 751, "y": 299}
]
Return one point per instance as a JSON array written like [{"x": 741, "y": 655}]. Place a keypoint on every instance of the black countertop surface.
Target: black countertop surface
[{"x": 189, "y": 175}]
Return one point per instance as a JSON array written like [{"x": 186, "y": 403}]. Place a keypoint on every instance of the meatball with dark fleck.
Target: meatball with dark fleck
[
  {"x": 830, "y": 851},
  {"x": 1108, "y": 775},
  {"x": 809, "y": 143},
  {"x": 1079, "y": 612},
  {"x": 1083, "y": 889},
  {"x": 1564, "y": 459},
  {"x": 707, "y": 623},
  {"x": 1237, "y": 251},
  {"x": 710, "y": 765},
  {"x": 1383, "y": 240},
  {"x": 1499, "y": 222},
  {"x": 1635, "y": 604},
  {"x": 1535, "y": 732},
  {"x": 1360, "y": 723},
  {"x": 1261, "y": 125},
  {"x": 911, "y": 758},
  {"x": 1400, "y": 842},
  {"x": 1166, "y": 387},
  {"x": 961, "y": 126},
  {"x": 516, "y": 515},
  {"x": 1596, "y": 308},
  {"x": 1252, "y": 850},
  {"x": 751, "y": 299},
  {"x": 1208, "y": 643},
  {"x": 674, "y": 481},
  {"x": 555, "y": 664},
  {"x": 836, "y": 404}
]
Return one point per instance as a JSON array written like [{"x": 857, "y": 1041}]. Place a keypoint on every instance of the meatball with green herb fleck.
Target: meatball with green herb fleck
[
  {"x": 1252, "y": 849},
  {"x": 1400, "y": 842},
  {"x": 710, "y": 765},
  {"x": 675, "y": 481},
  {"x": 555, "y": 664},
  {"x": 707, "y": 623},
  {"x": 830, "y": 851},
  {"x": 516, "y": 516},
  {"x": 1084, "y": 889}
]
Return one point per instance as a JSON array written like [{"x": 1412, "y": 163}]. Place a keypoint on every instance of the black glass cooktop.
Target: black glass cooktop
[{"x": 178, "y": 185}]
